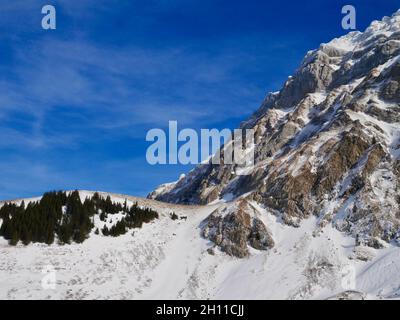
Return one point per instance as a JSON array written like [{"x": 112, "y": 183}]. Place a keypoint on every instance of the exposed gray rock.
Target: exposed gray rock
[
  {"x": 362, "y": 253},
  {"x": 233, "y": 229},
  {"x": 260, "y": 238},
  {"x": 349, "y": 295}
]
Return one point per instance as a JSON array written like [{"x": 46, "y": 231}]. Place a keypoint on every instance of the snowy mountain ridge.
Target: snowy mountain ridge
[{"x": 327, "y": 144}]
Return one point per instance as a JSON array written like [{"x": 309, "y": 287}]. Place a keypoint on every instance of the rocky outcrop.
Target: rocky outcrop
[
  {"x": 233, "y": 229},
  {"x": 260, "y": 238}
]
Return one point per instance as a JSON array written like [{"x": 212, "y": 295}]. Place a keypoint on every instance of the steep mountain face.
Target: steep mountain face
[{"x": 327, "y": 144}]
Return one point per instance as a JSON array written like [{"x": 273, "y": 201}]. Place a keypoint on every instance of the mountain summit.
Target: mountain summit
[{"x": 327, "y": 144}]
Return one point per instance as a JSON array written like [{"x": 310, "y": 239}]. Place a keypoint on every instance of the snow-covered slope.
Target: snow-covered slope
[{"x": 168, "y": 259}]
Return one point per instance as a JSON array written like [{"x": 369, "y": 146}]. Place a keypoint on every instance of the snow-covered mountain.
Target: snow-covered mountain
[
  {"x": 317, "y": 218},
  {"x": 327, "y": 144}
]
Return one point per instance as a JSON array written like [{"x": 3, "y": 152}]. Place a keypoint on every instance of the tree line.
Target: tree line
[{"x": 63, "y": 216}]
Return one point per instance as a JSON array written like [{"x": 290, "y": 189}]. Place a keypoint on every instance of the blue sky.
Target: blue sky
[{"x": 76, "y": 103}]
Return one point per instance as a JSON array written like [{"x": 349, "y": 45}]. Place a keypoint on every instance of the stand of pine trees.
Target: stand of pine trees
[
  {"x": 64, "y": 216},
  {"x": 134, "y": 218}
]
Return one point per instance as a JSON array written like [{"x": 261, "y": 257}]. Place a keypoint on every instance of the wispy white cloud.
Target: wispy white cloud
[
  {"x": 124, "y": 87},
  {"x": 69, "y": 99}
]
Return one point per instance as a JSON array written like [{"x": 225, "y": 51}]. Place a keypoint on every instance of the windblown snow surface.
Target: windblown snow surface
[{"x": 168, "y": 259}]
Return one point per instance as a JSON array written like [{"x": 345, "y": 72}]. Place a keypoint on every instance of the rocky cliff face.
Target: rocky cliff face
[
  {"x": 327, "y": 144},
  {"x": 236, "y": 227}
]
